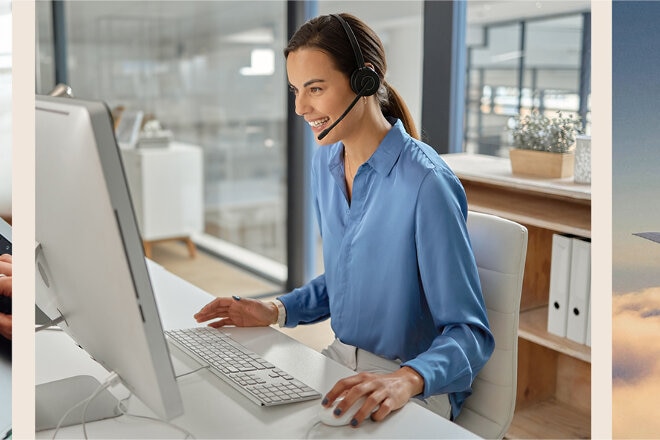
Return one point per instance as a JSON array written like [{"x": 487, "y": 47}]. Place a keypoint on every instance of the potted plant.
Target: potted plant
[{"x": 543, "y": 146}]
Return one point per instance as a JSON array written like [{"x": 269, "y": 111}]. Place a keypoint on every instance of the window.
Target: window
[
  {"x": 213, "y": 74},
  {"x": 529, "y": 65}
]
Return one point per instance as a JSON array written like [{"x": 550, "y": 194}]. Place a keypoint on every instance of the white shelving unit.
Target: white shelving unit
[{"x": 166, "y": 188}]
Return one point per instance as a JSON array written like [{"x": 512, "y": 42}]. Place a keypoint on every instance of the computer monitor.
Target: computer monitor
[{"x": 90, "y": 265}]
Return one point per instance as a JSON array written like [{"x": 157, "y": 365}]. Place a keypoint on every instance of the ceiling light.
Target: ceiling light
[
  {"x": 253, "y": 36},
  {"x": 262, "y": 62}
]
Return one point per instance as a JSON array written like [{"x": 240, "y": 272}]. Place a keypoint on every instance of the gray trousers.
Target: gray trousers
[{"x": 363, "y": 361}]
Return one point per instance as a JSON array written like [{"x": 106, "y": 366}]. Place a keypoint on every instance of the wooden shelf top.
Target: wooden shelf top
[
  {"x": 533, "y": 327},
  {"x": 497, "y": 171},
  {"x": 555, "y": 204}
]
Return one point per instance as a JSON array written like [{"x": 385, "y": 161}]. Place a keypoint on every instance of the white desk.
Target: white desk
[{"x": 214, "y": 409}]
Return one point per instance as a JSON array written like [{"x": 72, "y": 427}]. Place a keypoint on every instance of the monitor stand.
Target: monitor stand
[{"x": 54, "y": 399}]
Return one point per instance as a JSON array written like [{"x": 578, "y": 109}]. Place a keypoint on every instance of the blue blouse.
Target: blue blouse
[{"x": 400, "y": 277}]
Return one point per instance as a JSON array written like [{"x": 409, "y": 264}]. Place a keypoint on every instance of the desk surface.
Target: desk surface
[{"x": 214, "y": 409}]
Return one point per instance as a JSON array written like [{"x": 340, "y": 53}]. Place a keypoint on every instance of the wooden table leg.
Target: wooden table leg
[
  {"x": 192, "y": 250},
  {"x": 147, "y": 248}
]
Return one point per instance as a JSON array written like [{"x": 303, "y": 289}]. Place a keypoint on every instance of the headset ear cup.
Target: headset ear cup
[{"x": 365, "y": 77}]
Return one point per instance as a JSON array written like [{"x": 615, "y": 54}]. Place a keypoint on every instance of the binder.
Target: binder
[
  {"x": 588, "y": 337},
  {"x": 560, "y": 277},
  {"x": 579, "y": 291}
]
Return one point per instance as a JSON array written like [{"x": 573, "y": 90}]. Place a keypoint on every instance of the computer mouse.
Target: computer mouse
[{"x": 327, "y": 416}]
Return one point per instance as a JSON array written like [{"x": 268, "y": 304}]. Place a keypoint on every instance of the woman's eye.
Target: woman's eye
[{"x": 314, "y": 89}]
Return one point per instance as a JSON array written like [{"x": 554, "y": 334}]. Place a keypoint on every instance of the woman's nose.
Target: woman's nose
[{"x": 302, "y": 105}]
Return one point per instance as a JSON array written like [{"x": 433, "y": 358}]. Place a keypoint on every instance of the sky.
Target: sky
[
  {"x": 635, "y": 208},
  {"x": 635, "y": 143}
]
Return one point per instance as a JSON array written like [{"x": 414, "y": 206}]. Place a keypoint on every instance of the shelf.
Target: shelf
[
  {"x": 554, "y": 204},
  {"x": 549, "y": 419},
  {"x": 497, "y": 171},
  {"x": 533, "y": 327},
  {"x": 553, "y": 395}
]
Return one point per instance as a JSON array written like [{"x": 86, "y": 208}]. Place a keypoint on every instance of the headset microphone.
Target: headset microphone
[
  {"x": 325, "y": 132},
  {"x": 364, "y": 80}
]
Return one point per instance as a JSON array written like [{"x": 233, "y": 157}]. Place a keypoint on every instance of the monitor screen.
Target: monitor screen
[{"x": 91, "y": 271}]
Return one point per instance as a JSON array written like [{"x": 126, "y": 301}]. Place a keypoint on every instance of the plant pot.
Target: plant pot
[
  {"x": 542, "y": 163},
  {"x": 582, "y": 171}
]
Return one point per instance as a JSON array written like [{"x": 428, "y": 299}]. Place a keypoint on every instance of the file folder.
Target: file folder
[
  {"x": 579, "y": 291},
  {"x": 588, "y": 337},
  {"x": 560, "y": 277}
]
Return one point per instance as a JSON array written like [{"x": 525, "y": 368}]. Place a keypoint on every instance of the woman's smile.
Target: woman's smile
[{"x": 318, "y": 124}]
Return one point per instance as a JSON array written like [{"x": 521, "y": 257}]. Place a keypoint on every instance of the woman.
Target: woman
[{"x": 400, "y": 279}]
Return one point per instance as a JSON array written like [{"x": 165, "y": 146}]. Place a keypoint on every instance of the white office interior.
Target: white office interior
[{"x": 212, "y": 75}]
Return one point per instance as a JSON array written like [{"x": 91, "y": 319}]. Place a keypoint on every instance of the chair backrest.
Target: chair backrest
[{"x": 500, "y": 249}]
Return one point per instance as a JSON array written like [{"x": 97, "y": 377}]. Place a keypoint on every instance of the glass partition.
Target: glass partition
[
  {"x": 517, "y": 68},
  {"x": 553, "y": 50},
  {"x": 493, "y": 88},
  {"x": 212, "y": 73}
]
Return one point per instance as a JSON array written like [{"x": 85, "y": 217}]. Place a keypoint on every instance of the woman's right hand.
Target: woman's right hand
[{"x": 241, "y": 312}]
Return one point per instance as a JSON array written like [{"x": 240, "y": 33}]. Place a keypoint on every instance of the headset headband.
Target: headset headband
[{"x": 359, "y": 59}]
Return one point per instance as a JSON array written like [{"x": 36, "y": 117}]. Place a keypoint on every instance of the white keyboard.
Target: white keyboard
[{"x": 256, "y": 378}]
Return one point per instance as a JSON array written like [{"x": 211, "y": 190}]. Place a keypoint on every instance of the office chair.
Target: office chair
[{"x": 500, "y": 248}]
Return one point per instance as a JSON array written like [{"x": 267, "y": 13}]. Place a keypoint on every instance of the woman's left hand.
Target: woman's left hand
[{"x": 388, "y": 392}]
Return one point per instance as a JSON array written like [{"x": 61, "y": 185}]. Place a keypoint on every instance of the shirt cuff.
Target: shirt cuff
[{"x": 281, "y": 313}]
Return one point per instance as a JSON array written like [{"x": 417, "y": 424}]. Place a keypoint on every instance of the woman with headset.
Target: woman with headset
[{"x": 400, "y": 281}]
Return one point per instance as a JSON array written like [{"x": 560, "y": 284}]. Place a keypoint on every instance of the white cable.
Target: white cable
[
  {"x": 124, "y": 410},
  {"x": 193, "y": 371},
  {"x": 47, "y": 328},
  {"x": 312, "y": 428},
  {"x": 111, "y": 380},
  {"x": 48, "y": 325}
]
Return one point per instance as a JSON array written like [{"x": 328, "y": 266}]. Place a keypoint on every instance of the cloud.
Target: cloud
[
  {"x": 636, "y": 364},
  {"x": 643, "y": 301},
  {"x": 651, "y": 313},
  {"x": 630, "y": 366}
]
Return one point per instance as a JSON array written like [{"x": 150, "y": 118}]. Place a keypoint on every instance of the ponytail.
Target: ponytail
[{"x": 392, "y": 104}]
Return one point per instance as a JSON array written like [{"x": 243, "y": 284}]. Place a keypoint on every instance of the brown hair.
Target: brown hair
[{"x": 327, "y": 34}]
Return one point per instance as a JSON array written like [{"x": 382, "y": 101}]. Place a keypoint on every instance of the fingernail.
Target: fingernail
[
  {"x": 337, "y": 411},
  {"x": 324, "y": 402},
  {"x": 354, "y": 422}
]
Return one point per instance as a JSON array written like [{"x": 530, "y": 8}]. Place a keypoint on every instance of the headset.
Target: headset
[{"x": 364, "y": 80}]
